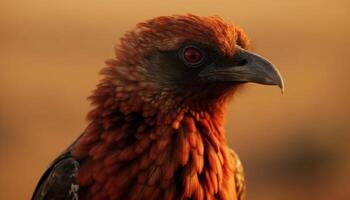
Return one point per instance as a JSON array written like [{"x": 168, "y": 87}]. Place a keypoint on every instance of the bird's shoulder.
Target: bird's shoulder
[
  {"x": 240, "y": 183},
  {"x": 58, "y": 181}
]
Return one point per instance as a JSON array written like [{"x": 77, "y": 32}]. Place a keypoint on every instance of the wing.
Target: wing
[
  {"x": 239, "y": 177},
  {"x": 57, "y": 183}
]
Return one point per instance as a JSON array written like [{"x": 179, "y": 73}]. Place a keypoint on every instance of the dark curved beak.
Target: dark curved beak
[{"x": 246, "y": 67}]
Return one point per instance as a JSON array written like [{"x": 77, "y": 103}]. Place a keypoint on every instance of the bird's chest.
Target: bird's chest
[
  {"x": 172, "y": 162},
  {"x": 164, "y": 174}
]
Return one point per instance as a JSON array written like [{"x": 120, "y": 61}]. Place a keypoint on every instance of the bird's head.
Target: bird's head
[{"x": 193, "y": 59}]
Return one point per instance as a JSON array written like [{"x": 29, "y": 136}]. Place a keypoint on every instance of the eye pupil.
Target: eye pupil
[{"x": 192, "y": 55}]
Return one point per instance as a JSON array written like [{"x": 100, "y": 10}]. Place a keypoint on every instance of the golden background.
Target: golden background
[{"x": 294, "y": 146}]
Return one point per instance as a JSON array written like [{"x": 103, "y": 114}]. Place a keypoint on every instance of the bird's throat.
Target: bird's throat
[{"x": 134, "y": 148}]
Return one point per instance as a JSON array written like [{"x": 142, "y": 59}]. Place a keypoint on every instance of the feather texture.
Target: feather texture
[{"x": 147, "y": 140}]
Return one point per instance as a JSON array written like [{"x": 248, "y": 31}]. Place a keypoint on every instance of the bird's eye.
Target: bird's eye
[{"x": 192, "y": 55}]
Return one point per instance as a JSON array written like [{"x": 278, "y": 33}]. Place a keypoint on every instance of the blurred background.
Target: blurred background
[{"x": 293, "y": 146}]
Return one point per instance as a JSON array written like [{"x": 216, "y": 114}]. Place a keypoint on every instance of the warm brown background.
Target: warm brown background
[{"x": 294, "y": 146}]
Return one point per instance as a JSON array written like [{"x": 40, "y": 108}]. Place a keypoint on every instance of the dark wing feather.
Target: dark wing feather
[{"x": 58, "y": 181}]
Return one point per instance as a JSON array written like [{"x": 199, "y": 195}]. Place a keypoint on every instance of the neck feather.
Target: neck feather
[{"x": 135, "y": 146}]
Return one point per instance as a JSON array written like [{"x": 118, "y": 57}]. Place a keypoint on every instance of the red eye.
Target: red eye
[{"x": 192, "y": 55}]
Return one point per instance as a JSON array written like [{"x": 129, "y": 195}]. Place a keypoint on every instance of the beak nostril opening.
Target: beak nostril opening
[{"x": 242, "y": 62}]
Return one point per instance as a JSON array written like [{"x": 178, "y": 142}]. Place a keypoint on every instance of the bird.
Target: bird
[{"x": 156, "y": 128}]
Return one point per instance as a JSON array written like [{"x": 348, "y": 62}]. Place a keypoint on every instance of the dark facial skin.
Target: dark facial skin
[{"x": 172, "y": 70}]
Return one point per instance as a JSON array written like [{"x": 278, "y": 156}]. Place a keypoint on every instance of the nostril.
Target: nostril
[{"x": 242, "y": 61}]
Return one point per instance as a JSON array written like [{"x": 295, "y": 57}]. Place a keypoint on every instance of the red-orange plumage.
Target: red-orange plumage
[
  {"x": 143, "y": 142},
  {"x": 156, "y": 127}
]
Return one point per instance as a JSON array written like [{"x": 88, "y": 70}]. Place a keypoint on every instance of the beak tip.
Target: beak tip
[
  {"x": 281, "y": 86},
  {"x": 278, "y": 80},
  {"x": 282, "y": 89}
]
